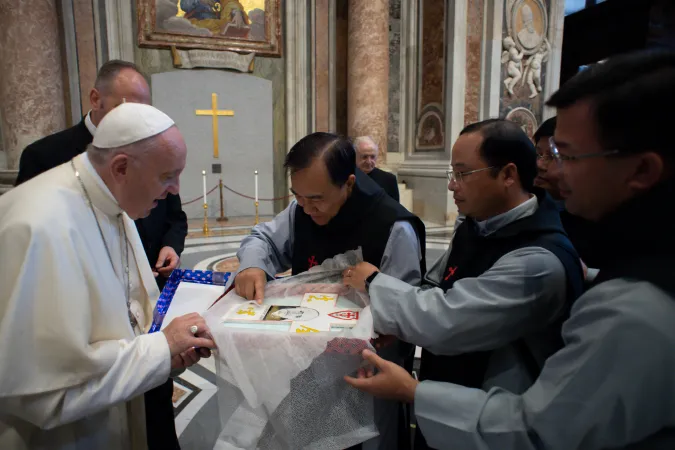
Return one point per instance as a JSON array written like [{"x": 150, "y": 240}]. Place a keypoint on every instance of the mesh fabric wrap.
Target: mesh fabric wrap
[{"x": 281, "y": 390}]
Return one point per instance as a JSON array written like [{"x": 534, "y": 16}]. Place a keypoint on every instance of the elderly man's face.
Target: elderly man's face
[
  {"x": 145, "y": 177},
  {"x": 128, "y": 85},
  {"x": 316, "y": 194},
  {"x": 366, "y": 157}
]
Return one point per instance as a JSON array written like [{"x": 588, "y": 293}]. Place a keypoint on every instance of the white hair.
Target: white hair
[
  {"x": 366, "y": 140},
  {"x": 100, "y": 156}
]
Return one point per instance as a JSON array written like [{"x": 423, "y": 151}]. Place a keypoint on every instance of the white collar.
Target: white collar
[
  {"x": 525, "y": 209},
  {"x": 89, "y": 124},
  {"x": 100, "y": 195}
]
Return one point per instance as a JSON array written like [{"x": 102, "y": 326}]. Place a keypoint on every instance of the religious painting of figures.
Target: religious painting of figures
[{"x": 250, "y": 26}]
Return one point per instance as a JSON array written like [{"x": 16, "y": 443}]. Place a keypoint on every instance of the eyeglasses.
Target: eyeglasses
[
  {"x": 545, "y": 157},
  {"x": 457, "y": 177},
  {"x": 555, "y": 153}
]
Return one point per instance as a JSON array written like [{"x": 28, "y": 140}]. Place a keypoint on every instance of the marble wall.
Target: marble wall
[
  {"x": 394, "y": 76},
  {"x": 245, "y": 139},
  {"x": 159, "y": 60},
  {"x": 340, "y": 64},
  {"x": 322, "y": 66},
  {"x": 368, "y": 75},
  {"x": 83, "y": 16},
  {"x": 31, "y": 81},
  {"x": 430, "y": 130},
  {"x": 3, "y": 154},
  {"x": 495, "y": 50},
  {"x": 341, "y": 32},
  {"x": 474, "y": 43},
  {"x": 430, "y": 199}
]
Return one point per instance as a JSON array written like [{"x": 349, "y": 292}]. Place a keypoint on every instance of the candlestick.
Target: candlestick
[
  {"x": 256, "y": 186},
  {"x": 205, "y": 228},
  {"x": 204, "y": 184}
]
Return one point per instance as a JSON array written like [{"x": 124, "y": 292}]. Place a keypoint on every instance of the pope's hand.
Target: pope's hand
[
  {"x": 183, "y": 342},
  {"x": 390, "y": 382},
  {"x": 356, "y": 276},
  {"x": 250, "y": 284},
  {"x": 189, "y": 358},
  {"x": 167, "y": 261}
]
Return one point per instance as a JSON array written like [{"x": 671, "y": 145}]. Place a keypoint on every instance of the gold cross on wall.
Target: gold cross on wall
[{"x": 214, "y": 112}]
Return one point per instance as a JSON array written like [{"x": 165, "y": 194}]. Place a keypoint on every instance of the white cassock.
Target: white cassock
[{"x": 72, "y": 370}]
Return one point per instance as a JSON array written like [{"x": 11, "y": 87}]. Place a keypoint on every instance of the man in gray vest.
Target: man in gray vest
[{"x": 612, "y": 384}]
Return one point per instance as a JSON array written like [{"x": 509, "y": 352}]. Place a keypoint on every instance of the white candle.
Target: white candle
[
  {"x": 256, "y": 186},
  {"x": 204, "y": 184}
]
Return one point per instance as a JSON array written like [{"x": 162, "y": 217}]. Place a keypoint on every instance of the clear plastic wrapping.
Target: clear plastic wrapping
[{"x": 285, "y": 390}]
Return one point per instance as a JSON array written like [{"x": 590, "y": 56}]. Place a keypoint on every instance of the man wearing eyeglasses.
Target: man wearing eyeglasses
[
  {"x": 580, "y": 231},
  {"x": 338, "y": 208},
  {"x": 612, "y": 384},
  {"x": 502, "y": 289}
]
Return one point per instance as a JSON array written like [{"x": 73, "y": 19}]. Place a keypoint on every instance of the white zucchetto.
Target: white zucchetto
[{"x": 129, "y": 123}]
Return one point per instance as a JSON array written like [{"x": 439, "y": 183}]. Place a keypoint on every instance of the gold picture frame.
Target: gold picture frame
[{"x": 233, "y": 25}]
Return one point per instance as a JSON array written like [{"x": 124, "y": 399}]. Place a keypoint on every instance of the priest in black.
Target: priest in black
[
  {"x": 337, "y": 208},
  {"x": 492, "y": 310},
  {"x": 366, "y": 160},
  {"x": 163, "y": 232}
]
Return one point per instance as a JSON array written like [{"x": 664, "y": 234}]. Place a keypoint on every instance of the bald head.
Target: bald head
[{"x": 117, "y": 82}]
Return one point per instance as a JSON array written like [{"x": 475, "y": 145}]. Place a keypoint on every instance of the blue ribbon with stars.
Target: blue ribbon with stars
[{"x": 177, "y": 277}]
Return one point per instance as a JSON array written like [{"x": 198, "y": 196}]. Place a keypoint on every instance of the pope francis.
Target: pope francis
[{"x": 77, "y": 293}]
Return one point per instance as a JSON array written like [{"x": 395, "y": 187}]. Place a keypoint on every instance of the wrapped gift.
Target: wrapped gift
[{"x": 281, "y": 364}]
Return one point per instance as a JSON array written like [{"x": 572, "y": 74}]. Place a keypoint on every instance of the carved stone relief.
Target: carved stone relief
[
  {"x": 525, "y": 45},
  {"x": 525, "y": 118}
]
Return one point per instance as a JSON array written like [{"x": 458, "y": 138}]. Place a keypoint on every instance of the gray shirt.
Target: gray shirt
[
  {"x": 613, "y": 384},
  {"x": 270, "y": 248},
  {"x": 522, "y": 291}
]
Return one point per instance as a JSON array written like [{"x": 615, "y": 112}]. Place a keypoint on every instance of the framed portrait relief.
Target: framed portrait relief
[
  {"x": 525, "y": 119},
  {"x": 250, "y": 26},
  {"x": 527, "y": 23}
]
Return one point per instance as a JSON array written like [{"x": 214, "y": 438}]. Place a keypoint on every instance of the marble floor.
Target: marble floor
[{"x": 195, "y": 399}]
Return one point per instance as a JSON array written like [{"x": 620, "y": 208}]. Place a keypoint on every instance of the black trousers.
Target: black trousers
[{"x": 159, "y": 420}]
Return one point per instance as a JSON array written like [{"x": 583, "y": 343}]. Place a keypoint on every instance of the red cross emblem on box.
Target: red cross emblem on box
[{"x": 345, "y": 315}]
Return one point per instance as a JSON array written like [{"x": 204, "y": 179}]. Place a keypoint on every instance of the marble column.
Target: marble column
[
  {"x": 31, "y": 82},
  {"x": 368, "y": 71}
]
